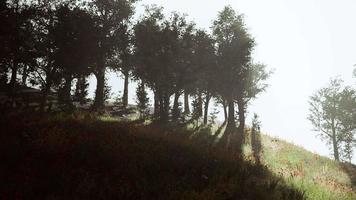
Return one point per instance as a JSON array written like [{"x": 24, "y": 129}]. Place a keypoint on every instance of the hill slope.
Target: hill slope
[
  {"x": 318, "y": 176},
  {"x": 81, "y": 157}
]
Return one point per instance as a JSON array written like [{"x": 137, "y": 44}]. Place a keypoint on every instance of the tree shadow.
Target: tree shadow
[
  {"x": 230, "y": 139},
  {"x": 68, "y": 158},
  {"x": 350, "y": 169},
  {"x": 219, "y": 130},
  {"x": 256, "y": 145}
]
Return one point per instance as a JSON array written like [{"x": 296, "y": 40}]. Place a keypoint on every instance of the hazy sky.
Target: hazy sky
[{"x": 306, "y": 42}]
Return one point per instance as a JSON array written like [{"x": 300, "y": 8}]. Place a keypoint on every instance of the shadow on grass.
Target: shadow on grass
[
  {"x": 350, "y": 169},
  {"x": 47, "y": 157}
]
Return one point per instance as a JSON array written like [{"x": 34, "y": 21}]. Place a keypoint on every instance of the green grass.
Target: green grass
[{"x": 320, "y": 177}]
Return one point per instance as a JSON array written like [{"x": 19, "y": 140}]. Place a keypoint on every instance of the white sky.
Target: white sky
[{"x": 306, "y": 42}]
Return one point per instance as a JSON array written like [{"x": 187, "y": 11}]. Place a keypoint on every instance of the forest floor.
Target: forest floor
[{"x": 81, "y": 156}]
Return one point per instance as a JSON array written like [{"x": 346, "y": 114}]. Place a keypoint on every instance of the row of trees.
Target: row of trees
[
  {"x": 333, "y": 115},
  {"x": 51, "y": 43}
]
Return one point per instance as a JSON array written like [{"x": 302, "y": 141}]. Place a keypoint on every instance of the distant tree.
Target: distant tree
[
  {"x": 213, "y": 116},
  {"x": 142, "y": 100},
  {"x": 186, "y": 102},
  {"x": 197, "y": 106},
  {"x": 332, "y": 114},
  {"x": 107, "y": 91},
  {"x": 81, "y": 89},
  {"x": 220, "y": 100},
  {"x": 347, "y": 117},
  {"x": 256, "y": 138}
]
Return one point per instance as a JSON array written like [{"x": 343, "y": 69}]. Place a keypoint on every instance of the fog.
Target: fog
[{"x": 305, "y": 42}]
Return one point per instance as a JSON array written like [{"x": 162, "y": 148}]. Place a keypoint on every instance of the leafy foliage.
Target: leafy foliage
[{"x": 332, "y": 114}]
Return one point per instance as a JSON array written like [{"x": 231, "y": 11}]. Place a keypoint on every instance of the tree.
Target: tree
[
  {"x": 204, "y": 69},
  {"x": 81, "y": 90},
  {"x": 332, "y": 114},
  {"x": 46, "y": 72},
  {"x": 5, "y": 42},
  {"x": 160, "y": 57},
  {"x": 234, "y": 47},
  {"x": 17, "y": 38},
  {"x": 125, "y": 68},
  {"x": 255, "y": 83},
  {"x": 111, "y": 19},
  {"x": 75, "y": 39},
  {"x": 183, "y": 77},
  {"x": 348, "y": 122},
  {"x": 147, "y": 50},
  {"x": 348, "y": 147},
  {"x": 121, "y": 59},
  {"x": 142, "y": 100}
]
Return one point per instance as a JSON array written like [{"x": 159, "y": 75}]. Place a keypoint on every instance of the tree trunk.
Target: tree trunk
[
  {"x": 125, "y": 95},
  {"x": 206, "y": 107},
  {"x": 231, "y": 124},
  {"x": 336, "y": 149},
  {"x": 47, "y": 86},
  {"x": 45, "y": 92},
  {"x": 186, "y": 103},
  {"x": 142, "y": 106},
  {"x": 67, "y": 90},
  {"x": 200, "y": 105},
  {"x": 161, "y": 107},
  {"x": 230, "y": 127},
  {"x": 335, "y": 145},
  {"x": 241, "y": 107},
  {"x": 175, "y": 112},
  {"x": 156, "y": 109},
  {"x": 99, "y": 94},
  {"x": 225, "y": 110},
  {"x": 24, "y": 75},
  {"x": 81, "y": 89},
  {"x": 100, "y": 86},
  {"x": 13, "y": 78},
  {"x": 166, "y": 107},
  {"x": 240, "y": 139}
]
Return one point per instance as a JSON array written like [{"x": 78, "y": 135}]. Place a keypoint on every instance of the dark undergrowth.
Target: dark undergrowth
[{"x": 67, "y": 157}]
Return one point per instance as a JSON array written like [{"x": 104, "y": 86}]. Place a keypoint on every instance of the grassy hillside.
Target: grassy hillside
[
  {"x": 319, "y": 177},
  {"x": 84, "y": 157}
]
